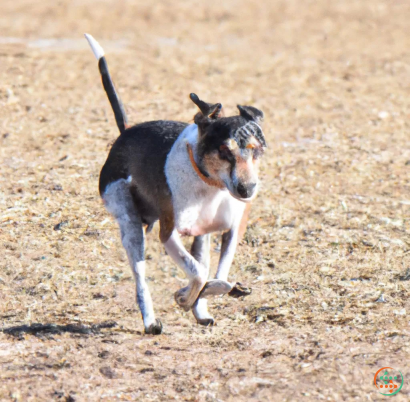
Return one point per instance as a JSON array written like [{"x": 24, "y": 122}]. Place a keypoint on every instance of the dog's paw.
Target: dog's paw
[
  {"x": 155, "y": 328},
  {"x": 215, "y": 287},
  {"x": 240, "y": 290},
  {"x": 182, "y": 298},
  {"x": 206, "y": 322}
]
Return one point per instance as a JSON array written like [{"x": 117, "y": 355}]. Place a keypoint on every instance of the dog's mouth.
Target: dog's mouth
[
  {"x": 235, "y": 195},
  {"x": 247, "y": 200}
]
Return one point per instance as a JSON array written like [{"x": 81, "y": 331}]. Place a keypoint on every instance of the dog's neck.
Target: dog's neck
[{"x": 206, "y": 179}]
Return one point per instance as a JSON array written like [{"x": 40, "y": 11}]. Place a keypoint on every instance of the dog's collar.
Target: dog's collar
[{"x": 206, "y": 179}]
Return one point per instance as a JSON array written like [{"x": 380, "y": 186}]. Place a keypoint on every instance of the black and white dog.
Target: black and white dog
[{"x": 195, "y": 179}]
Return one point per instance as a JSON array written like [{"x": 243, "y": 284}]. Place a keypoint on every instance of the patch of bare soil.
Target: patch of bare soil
[{"x": 327, "y": 250}]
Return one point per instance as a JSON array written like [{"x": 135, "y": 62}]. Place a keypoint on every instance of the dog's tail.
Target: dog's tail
[{"x": 115, "y": 101}]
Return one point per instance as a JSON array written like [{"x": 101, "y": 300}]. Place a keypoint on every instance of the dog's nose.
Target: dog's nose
[{"x": 245, "y": 191}]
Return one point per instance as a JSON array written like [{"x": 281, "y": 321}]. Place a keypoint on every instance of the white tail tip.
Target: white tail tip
[{"x": 95, "y": 46}]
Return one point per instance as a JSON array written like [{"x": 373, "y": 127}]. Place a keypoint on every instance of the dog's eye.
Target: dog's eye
[{"x": 224, "y": 152}]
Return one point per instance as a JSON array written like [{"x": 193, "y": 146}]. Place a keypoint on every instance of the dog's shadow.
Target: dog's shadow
[{"x": 48, "y": 330}]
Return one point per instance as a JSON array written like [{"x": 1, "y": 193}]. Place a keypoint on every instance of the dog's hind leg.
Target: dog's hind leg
[
  {"x": 119, "y": 202},
  {"x": 200, "y": 251},
  {"x": 228, "y": 248}
]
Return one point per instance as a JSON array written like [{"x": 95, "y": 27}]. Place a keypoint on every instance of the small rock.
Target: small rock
[
  {"x": 108, "y": 372},
  {"x": 146, "y": 370},
  {"x": 400, "y": 312},
  {"x": 60, "y": 225},
  {"x": 381, "y": 299},
  {"x": 104, "y": 354},
  {"x": 405, "y": 276},
  {"x": 259, "y": 318},
  {"x": 383, "y": 115},
  {"x": 16, "y": 396},
  {"x": 327, "y": 270},
  {"x": 92, "y": 233},
  {"x": 266, "y": 353}
]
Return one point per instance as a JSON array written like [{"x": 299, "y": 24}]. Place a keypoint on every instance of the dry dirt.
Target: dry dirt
[{"x": 327, "y": 250}]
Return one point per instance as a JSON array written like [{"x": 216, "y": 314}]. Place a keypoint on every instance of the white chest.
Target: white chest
[{"x": 198, "y": 207}]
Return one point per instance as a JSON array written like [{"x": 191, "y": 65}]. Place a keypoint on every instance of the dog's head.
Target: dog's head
[{"x": 229, "y": 148}]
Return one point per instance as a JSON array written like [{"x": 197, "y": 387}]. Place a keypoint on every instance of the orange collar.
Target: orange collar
[{"x": 207, "y": 180}]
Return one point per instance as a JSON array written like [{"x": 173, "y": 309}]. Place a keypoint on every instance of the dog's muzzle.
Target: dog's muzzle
[{"x": 246, "y": 191}]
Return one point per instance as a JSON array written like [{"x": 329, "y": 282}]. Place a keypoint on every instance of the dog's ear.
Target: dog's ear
[
  {"x": 203, "y": 106},
  {"x": 251, "y": 113},
  {"x": 215, "y": 111},
  {"x": 207, "y": 109}
]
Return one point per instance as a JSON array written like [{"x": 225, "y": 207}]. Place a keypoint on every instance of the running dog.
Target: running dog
[{"x": 195, "y": 179}]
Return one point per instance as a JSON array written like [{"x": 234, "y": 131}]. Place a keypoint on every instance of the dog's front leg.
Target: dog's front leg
[
  {"x": 228, "y": 249},
  {"x": 220, "y": 284},
  {"x": 196, "y": 272}
]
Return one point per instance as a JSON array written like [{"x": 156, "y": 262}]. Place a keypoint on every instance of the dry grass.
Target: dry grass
[{"x": 328, "y": 239}]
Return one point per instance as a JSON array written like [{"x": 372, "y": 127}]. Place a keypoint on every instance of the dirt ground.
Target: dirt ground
[{"x": 327, "y": 250}]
